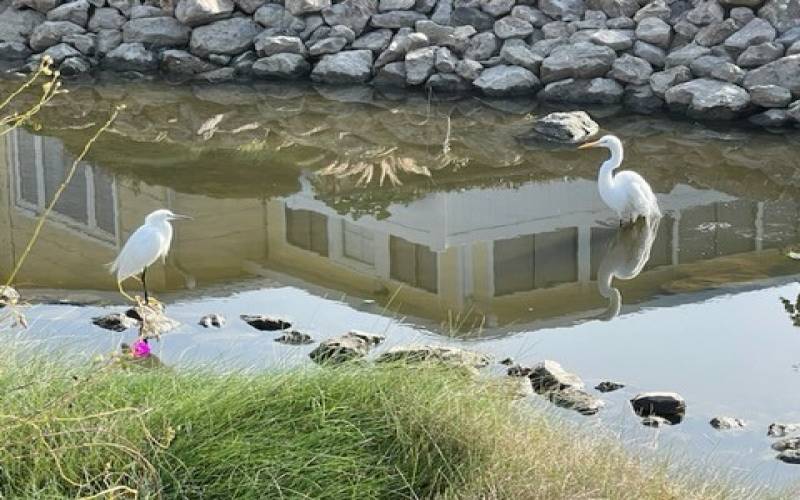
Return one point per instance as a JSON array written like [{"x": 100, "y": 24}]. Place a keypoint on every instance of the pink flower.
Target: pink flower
[{"x": 140, "y": 349}]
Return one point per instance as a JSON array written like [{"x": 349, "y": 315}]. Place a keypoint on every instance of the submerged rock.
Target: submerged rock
[
  {"x": 423, "y": 353},
  {"x": 572, "y": 127},
  {"x": 116, "y": 322},
  {"x": 781, "y": 430},
  {"x": 293, "y": 337},
  {"x": 725, "y": 423},
  {"x": 265, "y": 323},
  {"x": 789, "y": 456},
  {"x": 787, "y": 444},
  {"x": 669, "y": 405},
  {"x": 215, "y": 320},
  {"x": 608, "y": 386},
  {"x": 551, "y": 376}
]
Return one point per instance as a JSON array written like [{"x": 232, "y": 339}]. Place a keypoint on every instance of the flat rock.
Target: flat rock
[
  {"x": 355, "y": 14},
  {"x": 433, "y": 353},
  {"x": 576, "y": 399},
  {"x": 376, "y": 41},
  {"x": 655, "y": 31},
  {"x": 229, "y": 36},
  {"x": 759, "y": 55},
  {"x": 75, "y": 12},
  {"x": 571, "y": 127},
  {"x": 271, "y": 45},
  {"x": 563, "y": 10},
  {"x": 198, "y": 12},
  {"x": 503, "y": 80},
  {"x": 580, "y": 60},
  {"x": 106, "y": 18},
  {"x": 397, "y": 19},
  {"x": 615, "y": 39},
  {"x": 686, "y": 55},
  {"x": 293, "y": 337},
  {"x": 349, "y": 66},
  {"x": 50, "y": 33},
  {"x": 668, "y": 405},
  {"x": 551, "y": 376},
  {"x": 265, "y": 323},
  {"x": 770, "y": 96},
  {"x": 755, "y": 32},
  {"x": 631, "y": 69},
  {"x": 584, "y": 91},
  {"x": 131, "y": 57},
  {"x": 338, "y": 350},
  {"x": 650, "y": 53},
  {"x": 156, "y": 32},
  {"x": 512, "y": 27},
  {"x": 330, "y": 45},
  {"x": 301, "y": 7},
  {"x": 784, "y": 72},
  {"x": 518, "y": 53},
  {"x": 716, "y": 33}
]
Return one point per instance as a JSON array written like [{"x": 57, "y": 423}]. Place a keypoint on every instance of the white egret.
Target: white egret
[
  {"x": 626, "y": 257},
  {"x": 627, "y": 193},
  {"x": 149, "y": 242}
]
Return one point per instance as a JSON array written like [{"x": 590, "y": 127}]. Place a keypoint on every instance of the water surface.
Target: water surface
[{"x": 438, "y": 222}]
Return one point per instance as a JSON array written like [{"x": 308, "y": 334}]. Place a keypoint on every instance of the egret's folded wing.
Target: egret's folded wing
[{"x": 140, "y": 251}]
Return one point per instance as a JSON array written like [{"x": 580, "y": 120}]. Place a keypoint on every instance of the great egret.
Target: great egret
[
  {"x": 626, "y": 257},
  {"x": 149, "y": 242},
  {"x": 627, "y": 193}
]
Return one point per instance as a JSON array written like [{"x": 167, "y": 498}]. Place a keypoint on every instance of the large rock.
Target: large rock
[
  {"x": 655, "y": 31},
  {"x": 419, "y": 65},
  {"x": 131, "y": 57},
  {"x": 330, "y": 45},
  {"x": 582, "y": 91},
  {"x": 641, "y": 99},
  {"x": 156, "y": 32},
  {"x": 571, "y": 127},
  {"x": 706, "y": 12},
  {"x": 668, "y": 405},
  {"x": 17, "y": 25},
  {"x": 468, "y": 16},
  {"x": 481, "y": 46},
  {"x": 391, "y": 75},
  {"x": 454, "y": 38},
  {"x": 576, "y": 399},
  {"x": 770, "y": 96},
  {"x": 512, "y": 27},
  {"x": 229, "y": 36},
  {"x": 197, "y": 12},
  {"x": 615, "y": 39},
  {"x": 106, "y": 18},
  {"x": 397, "y": 19},
  {"x": 376, "y": 41},
  {"x": 281, "y": 67},
  {"x": 755, "y": 32},
  {"x": 563, "y": 10},
  {"x": 656, "y": 8},
  {"x": 536, "y": 17},
  {"x": 271, "y": 45},
  {"x": 278, "y": 21},
  {"x": 469, "y": 69},
  {"x": 759, "y": 55},
  {"x": 349, "y": 66},
  {"x": 43, "y": 6},
  {"x": 75, "y": 12},
  {"x": 498, "y": 8},
  {"x": 402, "y": 43},
  {"x": 338, "y": 350},
  {"x": 784, "y": 72},
  {"x": 10, "y": 51},
  {"x": 85, "y": 43},
  {"x": 61, "y": 51},
  {"x": 686, "y": 54},
  {"x": 50, "y": 33},
  {"x": 716, "y": 33},
  {"x": 614, "y": 8},
  {"x": 580, "y": 60},
  {"x": 437, "y": 354},
  {"x": 650, "y": 53},
  {"x": 551, "y": 376},
  {"x": 631, "y": 69},
  {"x": 783, "y": 14},
  {"x": 301, "y": 7},
  {"x": 351, "y": 13},
  {"x": 445, "y": 61},
  {"x": 519, "y": 53},
  {"x": 708, "y": 99},
  {"x": 505, "y": 80},
  {"x": 107, "y": 40},
  {"x": 770, "y": 118},
  {"x": 181, "y": 62}
]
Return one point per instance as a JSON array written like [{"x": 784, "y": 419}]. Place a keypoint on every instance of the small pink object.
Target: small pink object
[{"x": 140, "y": 349}]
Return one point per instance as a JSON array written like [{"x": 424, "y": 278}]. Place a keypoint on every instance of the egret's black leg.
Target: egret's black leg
[{"x": 144, "y": 286}]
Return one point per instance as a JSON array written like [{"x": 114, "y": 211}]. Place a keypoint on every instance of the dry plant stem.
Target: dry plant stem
[
  {"x": 59, "y": 191},
  {"x": 50, "y": 89},
  {"x": 42, "y": 69}
]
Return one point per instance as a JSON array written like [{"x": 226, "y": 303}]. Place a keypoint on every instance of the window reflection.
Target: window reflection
[
  {"x": 307, "y": 230},
  {"x": 535, "y": 261},
  {"x": 413, "y": 264}
]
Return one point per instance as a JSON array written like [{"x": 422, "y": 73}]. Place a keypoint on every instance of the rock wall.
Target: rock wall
[{"x": 709, "y": 59}]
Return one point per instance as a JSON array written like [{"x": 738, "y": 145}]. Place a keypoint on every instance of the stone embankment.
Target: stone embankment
[{"x": 708, "y": 59}]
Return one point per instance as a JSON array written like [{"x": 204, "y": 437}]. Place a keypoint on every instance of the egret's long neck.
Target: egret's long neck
[{"x": 606, "y": 176}]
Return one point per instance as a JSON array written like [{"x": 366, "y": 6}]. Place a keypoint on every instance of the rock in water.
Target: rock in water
[
  {"x": 505, "y": 80},
  {"x": 215, "y": 320},
  {"x": 550, "y": 376},
  {"x": 116, "y": 322},
  {"x": 608, "y": 386},
  {"x": 708, "y": 99},
  {"x": 571, "y": 127},
  {"x": 781, "y": 430},
  {"x": 265, "y": 323},
  {"x": 787, "y": 444},
  {"x": 725, "y": 423},
  {"x": 293, "y": 337},
  {"x": 668, "y": 405},
  {"x": 8, "y": 296},
  {"x": 337, "y": 350},
  {"x": 576, "y": 399},
  {"x": 424, "y": 353},
  {"x": 372, "y": 339},
  {"x": 789, "y": 456},
  {"x": 349, "y": 66},
  {"x": 655, "y": 421}
]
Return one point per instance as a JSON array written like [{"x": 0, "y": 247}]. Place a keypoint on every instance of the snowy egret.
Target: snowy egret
[
  {"x": 627, "y": 193},
  {"x": 626, "y": 257},
  {"x": 149, "y": 242}
]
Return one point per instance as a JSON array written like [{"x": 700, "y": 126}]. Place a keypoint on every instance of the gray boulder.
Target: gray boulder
[
  {"x": 442, "y": 12},
  {"x": 469, "y": 16},
  {"x": 376, "y": 41},
  {"x": 50, "y": 33},
  {"x": 43, "y": 6},
  {"x": 576, "y": 399},
  {"x": 583, "y": 91},
  {"x": 403, "y": 42},
  {"x": 468, "y": 69},
  {"x": 759, "y": 55},
  {"x": 551, "y": 376},
  {"x": 229, "y": 36},
  {"x": 755, "y": 32},
  {"x": 783, "y": 14},
  {"x": 181, "y": 62},
  {"x": 706, "y": 12},
  {"x": 650, "y": 53},
  {"x": 654, "y": 31},
  {"x": 434, "y": 354},
  {"x": 389, "y": 5},
  {"x": 481, "y": 46},
  {"x": 17, "y": 25},
  {"x": 338, "y": 350},
  {"x": 558, "y": 30},
  {"x": 580, "y": 60},
  {"x": 770, "y": 96},
  {"x": 571, "y": 127},
  {"x": 354, "y": 14},
  {"x": 343, "y": 31},
  {"x": 249, "y": 6},
  {"x": 301, "y": 7},
  {"x": 615, "y": 39},
  {"x": 445, "y": 61},
  {"x": 447, "y": 83},
  {"x": 620, "y": 23},
  {"x": 419, "y": 65},
  {"x": 131, "y": 57},
  {"x": 631, "y": 69},
  {"x": 716, "y": 33},
  {"x": 784, "y": 72},
  {"x": 349, "y": 66},
  {"x": 391, "y": 75},
  {"x": 10, "y": 51},
  {"x": 656, "y": 8},
  {"x": 281, "y": 67},
  {"x": 278, "y": 21},
  {"x": 156, "y": 32},
  {"x": 107, "y": 40},
  {"x": 271, "y": 45},
  {"x": 790, "y": 37},
  {"x": 503, "y": 80},
  {"x": 75, "y": 12},
  {"x": 536, "y": 17},
  {"x": 61, "y": 51},
  {"x": 615, "y": 8},
  {"x": 454, "y": 38},
  {"x": 397, "y": 19},
  {"x": 198, "y": 12},
  {"x": 512, "y": 27},
  {"x": 703, "y": 66},
  {"x": 85, "y": 43},
  {"x": 662, "y": 81},
  {"x": 770, "y": 118},
  {"x": 106, "y": 18},
  {"x": 330, "y": 45},
  {"x": 518, "y": 53},
  {"x": 708, "y": 99},
  {"x": 686, "y": 54},
  {"x": 742, "y": 15},
  {"x": 726, "y": 423},
  {"x": 74, "y": 66},
  {"x": 497, "y": 8},
  {"x": 563, "y": 10}
]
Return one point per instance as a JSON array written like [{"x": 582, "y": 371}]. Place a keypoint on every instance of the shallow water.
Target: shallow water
[{"x": 454, "y": 227}]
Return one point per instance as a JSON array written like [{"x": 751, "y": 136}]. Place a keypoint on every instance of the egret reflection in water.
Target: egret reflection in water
[{"x": 625, "y": 258}]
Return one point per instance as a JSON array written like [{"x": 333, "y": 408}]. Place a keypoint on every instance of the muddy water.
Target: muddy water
[{"x": 438, "y": 222}]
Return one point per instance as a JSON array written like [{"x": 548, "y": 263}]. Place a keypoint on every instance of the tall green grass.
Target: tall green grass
[{"x": 354, "y": 432}]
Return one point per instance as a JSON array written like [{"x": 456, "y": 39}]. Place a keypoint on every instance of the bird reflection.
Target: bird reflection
[{"x": 627, "y": 255}]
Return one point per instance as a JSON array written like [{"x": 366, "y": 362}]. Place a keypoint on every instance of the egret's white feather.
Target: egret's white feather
[{"x": 147, "y": 244}]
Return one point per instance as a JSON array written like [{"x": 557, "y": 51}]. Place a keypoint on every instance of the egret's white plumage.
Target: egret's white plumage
[
  {"x": 147, "y": 244},
  {"x": 627, "y": 193}
]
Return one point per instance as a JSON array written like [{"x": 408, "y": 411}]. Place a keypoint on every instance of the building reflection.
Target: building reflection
[{"x": 509, "y": 256}]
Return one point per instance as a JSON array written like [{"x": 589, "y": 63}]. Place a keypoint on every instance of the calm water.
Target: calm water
[{"x": 453, "y": 227}]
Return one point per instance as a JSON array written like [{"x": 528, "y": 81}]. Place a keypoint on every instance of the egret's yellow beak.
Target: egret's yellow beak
[
  {"x": 181, "y": 217},
  {"x": 588, "y": 145}
]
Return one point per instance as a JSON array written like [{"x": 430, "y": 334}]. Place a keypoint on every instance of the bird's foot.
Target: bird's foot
[{"x": 151, "y": 302}]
